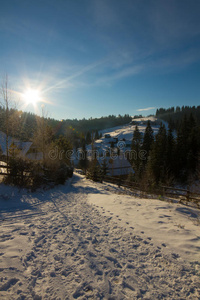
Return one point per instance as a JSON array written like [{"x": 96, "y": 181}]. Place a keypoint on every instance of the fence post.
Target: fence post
[
  {"x": 163, "y": 190},
  {"x": 119, "y": 183},
  {"x": 188, "y": 194}
]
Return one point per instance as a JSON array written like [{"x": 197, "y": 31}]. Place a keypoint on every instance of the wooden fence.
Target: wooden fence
[
  {"x": 3, "y": 167},
  {"x": 181, "y": 194},
  {"x": 24, "y": 173}
]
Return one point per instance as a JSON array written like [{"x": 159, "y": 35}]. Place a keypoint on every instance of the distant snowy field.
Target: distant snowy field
[
  {"x": 88, "y": 240},
  {"x": 125, "y": 132}
]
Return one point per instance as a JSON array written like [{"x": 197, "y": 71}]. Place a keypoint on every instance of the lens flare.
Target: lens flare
[{"x": 31, "y": 96}]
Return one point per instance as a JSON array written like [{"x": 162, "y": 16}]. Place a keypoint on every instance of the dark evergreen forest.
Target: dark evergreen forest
[
  {"x": 174, "y": 115},
  {"x": 173, "y": 155}
]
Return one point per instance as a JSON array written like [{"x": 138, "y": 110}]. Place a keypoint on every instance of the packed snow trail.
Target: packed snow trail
[{"x": 67, "y": 249}]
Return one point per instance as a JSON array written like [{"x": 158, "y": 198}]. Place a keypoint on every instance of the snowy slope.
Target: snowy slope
[
  {"x": 87, "y": 240},
  {"x": 126, "y": 132}
]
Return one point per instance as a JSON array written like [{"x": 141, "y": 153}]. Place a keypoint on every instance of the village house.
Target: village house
[{"x": 18, "y": 148}]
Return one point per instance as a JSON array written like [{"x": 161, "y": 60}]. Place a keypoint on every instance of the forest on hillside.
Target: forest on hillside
[
  {"x": 22, "y": 125},
  {"x": 173, "y": 155},
  {"x": 175, "y": 115}
]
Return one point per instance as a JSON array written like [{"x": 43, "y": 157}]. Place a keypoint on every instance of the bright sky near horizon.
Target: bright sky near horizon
[{"x": 91, "y": 58}]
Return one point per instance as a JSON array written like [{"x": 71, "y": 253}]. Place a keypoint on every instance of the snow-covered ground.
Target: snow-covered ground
[
  {"x": 125, "y": 132},
  {"x": 88, "y": 240}
]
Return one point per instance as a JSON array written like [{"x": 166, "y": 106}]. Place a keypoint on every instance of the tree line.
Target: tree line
[
  {"x": 22, "y": 125},
  {"x": 174, "y": 115}
]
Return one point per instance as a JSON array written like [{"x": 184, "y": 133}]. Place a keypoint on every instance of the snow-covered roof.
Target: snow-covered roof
[
  {"x": 22, "y": 146},
  {"x": 118, "y": 165},
  {"x": 35, "y": 156}
]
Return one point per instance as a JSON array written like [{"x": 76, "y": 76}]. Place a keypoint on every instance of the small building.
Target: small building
[
  {"x": 14, "y": 145},
  {"x": 107, "y": 136},
  {"x": 117, "y": 165},
  {"x": 19, "y": 148}
]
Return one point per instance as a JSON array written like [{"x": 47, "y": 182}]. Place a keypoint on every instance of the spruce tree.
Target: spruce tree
[
  {"x": 83, "y": 161},
  {"x": 135, "y": 153},
  {"x": 96, "y": 137},
  {"x": 94, "y": 171},
  {"x": 136, "y": 141},
  {"x": 170, "y": 156},
  {"x": 148, "y": 140},
  {"x": 182, "y": 150},
  {"x": 158, "y": 155},
  {"x": 104, "y": 168},
  {"x": 192, "y": 153},
  {"x": 88, "y": 138}
]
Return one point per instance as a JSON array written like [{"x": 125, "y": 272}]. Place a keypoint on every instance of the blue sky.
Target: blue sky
[{"x": 91, "y": 58}]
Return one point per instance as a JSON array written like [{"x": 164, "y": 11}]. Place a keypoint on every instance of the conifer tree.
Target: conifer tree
[
  {"x": 88, "y": 138},
  {"x": 96, "y": 135},
  {"x": 136, "y": 141},
  {"x": 148, "y": 140},
  {"x": 182, "y": 150},
  {"x": 135, "y": 151},
  {"x": 170, "y": 156},
  {"x": 83, "y": 160},
  {"x": 104, "y": 168},
  {"x": 94, "y": 170},
  {"x": 158, "y": 155},
  {"x": 64, "y": 146},
  {"x": 192, "y": 153}
]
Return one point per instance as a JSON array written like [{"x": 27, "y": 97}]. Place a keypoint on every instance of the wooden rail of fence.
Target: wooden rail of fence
[
  {"x": 3, "y": 167},
  {"x": 183, "y": 194},
  {"x": 179, "y": 193},
  {"x": 24, "y": 172}
]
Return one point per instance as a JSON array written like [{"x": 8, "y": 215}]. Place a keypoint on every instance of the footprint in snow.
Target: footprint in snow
[
  {"x": 175, "y": 255},
  {"x": 146, "y": 242},
  {"x": 8, "y": 284}
]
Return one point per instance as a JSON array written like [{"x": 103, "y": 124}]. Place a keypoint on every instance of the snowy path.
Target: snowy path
[{"x": 67, "y": 249}]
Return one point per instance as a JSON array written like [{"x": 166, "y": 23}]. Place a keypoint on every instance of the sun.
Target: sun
[{"x": 31, "y": 96}]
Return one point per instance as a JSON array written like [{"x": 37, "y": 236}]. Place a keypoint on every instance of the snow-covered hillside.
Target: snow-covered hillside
[
  {"x": 87, "y": 240},
  {"x": 124, "y": 134},
  {"x": 126, "y": 131}
]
